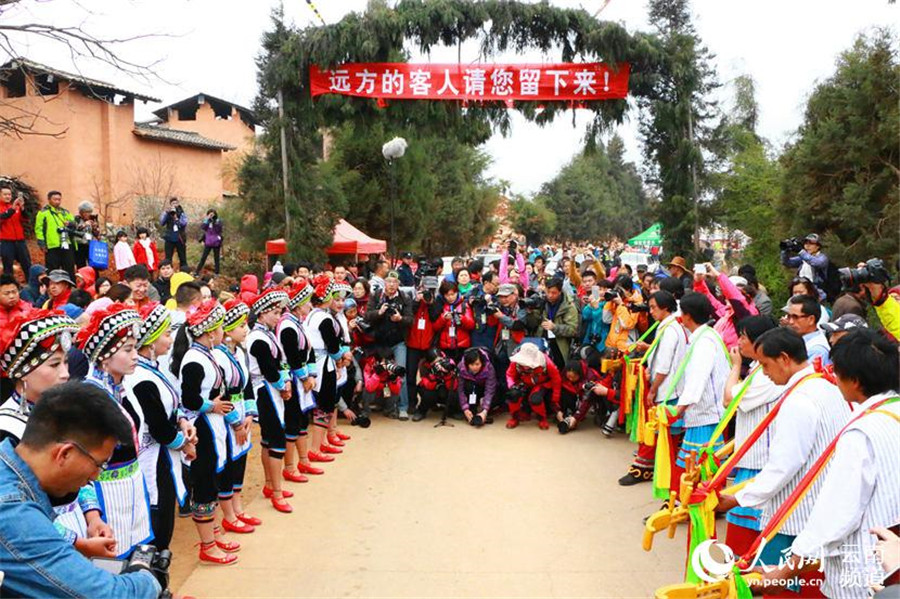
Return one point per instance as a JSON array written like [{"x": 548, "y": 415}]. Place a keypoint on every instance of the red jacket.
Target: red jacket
[
  {"x": 421, "y": 333},
  {"x": 140, "y": 255},
  {"x": 461, "y": 334},
  {"x": 429, "y": 380},
  {"x": 547, "y": 377},
  {"x": 22, "y": 308},
  {"x": 11, "y": 223}
]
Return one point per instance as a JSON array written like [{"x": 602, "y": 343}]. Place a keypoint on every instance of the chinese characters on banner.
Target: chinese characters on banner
[{"x": 493, "y": 82}]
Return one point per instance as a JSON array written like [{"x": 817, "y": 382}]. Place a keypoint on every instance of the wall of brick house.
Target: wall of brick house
[
  {"x": 97, "y": 156},
  {"x": 232, "y": 131}
]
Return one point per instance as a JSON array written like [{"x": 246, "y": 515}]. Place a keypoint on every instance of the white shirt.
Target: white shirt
[
  {"x": 861, "y": 490},
  {"x": 761, "y": 394},
  {"x": 704, "y": 378},
  {"x": 376, "y": 283},
  {"x": 667, "y": 355},
  {"x": 809, "y": 419}
]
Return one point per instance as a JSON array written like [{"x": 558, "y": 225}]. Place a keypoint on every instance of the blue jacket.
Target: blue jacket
[
  {"x": 37, "y": 561},
  {"x": 175, "y": 226},
  {"x": 594, "y": 327}
]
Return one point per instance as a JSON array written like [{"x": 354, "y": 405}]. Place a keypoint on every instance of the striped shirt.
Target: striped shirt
[
  {"x": 704, "y": 378},
  {"x": 809, "y": 419},
  {"x": 761, "y": 394},
  {"x": 861, "y": 491},
  {"x": 667, "y": 355}
]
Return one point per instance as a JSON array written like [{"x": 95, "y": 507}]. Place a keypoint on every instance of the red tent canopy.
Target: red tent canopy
[{"x": 350, "y": 240}]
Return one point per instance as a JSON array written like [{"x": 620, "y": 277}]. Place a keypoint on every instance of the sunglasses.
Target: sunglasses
[{"x": 101, "y": 465}]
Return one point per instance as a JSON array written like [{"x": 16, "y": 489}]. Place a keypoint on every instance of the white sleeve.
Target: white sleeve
[
  {"x": 842, "y": 501},
  {"x": 698, "y": 370},
  {"x": 795, "y": 434},
  {"x": 664, "y": 355},
  {"x": 760, "y": 392}
]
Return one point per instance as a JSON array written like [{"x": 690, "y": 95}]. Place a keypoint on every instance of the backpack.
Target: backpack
[{"x": 98, "y": 254}]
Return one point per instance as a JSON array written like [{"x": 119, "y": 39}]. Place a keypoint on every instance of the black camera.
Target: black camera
[
  {"x": 144, "y": 557},
  {"x": 794, "y": 244},
  {"x": 874, "y": 271},
  {"x": 441, "y": 366},
  {"x": 588, "y": 387},
  {"x": 512, "y": 246},
  {"x": 515, "y": 393},
  {"x": 609, "y": 296},
  {"x": 535, "y": 301},
  {"x": 477, "y": 420},
  {"x": 362, "y": 421},
  {"x": 393, "y": 370},
  {"x": 638, "y": 308},
  {"x": 428, "y": 295},
  {"x": 562, "y": 426}
]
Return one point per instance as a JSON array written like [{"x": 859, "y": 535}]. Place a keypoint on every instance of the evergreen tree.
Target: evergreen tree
[
  {"x": 841, "y": 172},
  {"x": 675, "y": 119}
]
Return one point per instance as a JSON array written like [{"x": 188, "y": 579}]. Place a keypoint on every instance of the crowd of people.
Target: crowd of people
[{"x": 128, "y": 403}]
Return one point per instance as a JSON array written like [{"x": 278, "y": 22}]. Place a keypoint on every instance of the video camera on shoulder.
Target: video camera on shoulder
[
  {"x": 144, "y": 557},
  {"x": 793, "y": 245},
  {"x": 535, "y": 300}
]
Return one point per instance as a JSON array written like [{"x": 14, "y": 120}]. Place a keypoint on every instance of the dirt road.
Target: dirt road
[{"x": 411, "y": 510}]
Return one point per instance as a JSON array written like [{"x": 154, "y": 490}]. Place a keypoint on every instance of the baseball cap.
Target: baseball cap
[
  {"x": 506, "y": 289},
  {"x": 738, "y": 281},
  {"x": 813, "y": 238},
  {"x": 406, "y": 255},
  {"x": 845, "y": 322}
]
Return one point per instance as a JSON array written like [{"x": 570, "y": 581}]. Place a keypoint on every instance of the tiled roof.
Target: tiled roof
[
  {"x": 177, "y": 136},
  {"x": 217, "y": 104},
  {"x": 100, "y": 87}
]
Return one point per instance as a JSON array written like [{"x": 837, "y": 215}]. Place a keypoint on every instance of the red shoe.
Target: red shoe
[
  {"x": 238, "y": 526},
  {"x": 281, "y": 505},
  {"x": 251, "y": 520},
  {"x": 335, "y": 440},
  {"x": 294, "y": 478},
  {"x": 222, "y": 561},
  {"x": 524, "y": 416},
  {"x": 318, "y": 457},
  {"x": 267, "y": 493},
  {"x": 309, "y": 469},
  {"x": 325, "y": 448},
  {"x": 342, "y": 436},
  {"x": 229, "y": 546},
  {"x": 543, "y": 424},
  {"x": 512, "y": 422}
]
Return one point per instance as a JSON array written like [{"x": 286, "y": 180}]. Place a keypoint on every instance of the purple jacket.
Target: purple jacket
[
  {"x": 212, "y": 233},
  {"x": 484, "y": 377}
]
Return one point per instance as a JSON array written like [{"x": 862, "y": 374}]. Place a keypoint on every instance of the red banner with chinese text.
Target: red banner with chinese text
[{"x": 580, "y": 82}]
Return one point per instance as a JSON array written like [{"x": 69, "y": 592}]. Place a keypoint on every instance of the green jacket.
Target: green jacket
[
  {"x": 566, "y": 319},
  {"x": 47, "y": 224}
]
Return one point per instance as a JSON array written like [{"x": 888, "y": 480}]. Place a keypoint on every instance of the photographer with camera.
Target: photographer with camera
[
  {"x": 582, "y": 387},
  {"x": 87, "y": 228},
  {"x": 738, "y": 304},
  {"x": 420, "y": 337},
  {"x": 806, "y": 256},
  {"x": 510, "y": 319},
  {"x": 212, "y": 240},
  {"x": 68, "y": 441},
  {"x": 482, "y": 298},
  {"x": 559, "y": 322},
  {"x": 174, "y": 221},
  {"x": 624, "y": 307},
  {"x": 453, "y": 320},
  {"x": 390, "y": 314},
  {"x": 595, "y": 318},
  {"x": 477, "y": 386},
  {"x": 874, "y": 279},
  {"x": 512, "y": 248},
  {"x": 383, "y": 377},
  {"x": 53, "y": 228},
  {"x": 534, "y": 386},
  {"x": 437, "y": 384},
  {"x": 12, "y": 233}
]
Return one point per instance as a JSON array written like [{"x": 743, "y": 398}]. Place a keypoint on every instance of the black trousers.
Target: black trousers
[
  {"x": 171, "y": 247},
  {"x": 162, "y": 515},
  {"x": 81, "y": 255},
  {"x": 15, "y": 251},
  {"x": 58, "y": 258},
  {"x": 413, "y": 357},
  {"x": 205, "y": 255}
]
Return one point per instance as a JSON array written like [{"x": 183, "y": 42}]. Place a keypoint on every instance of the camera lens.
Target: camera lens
[{"x": 563, "y": 427}]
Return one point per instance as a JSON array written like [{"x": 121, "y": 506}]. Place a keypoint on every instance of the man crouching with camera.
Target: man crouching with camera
[{"x": 68, "y": 441}]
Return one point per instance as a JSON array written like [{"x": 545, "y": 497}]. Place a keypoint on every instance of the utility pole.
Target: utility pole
[
  {"x": 284, "y": 167},
  {"x": 694, "y": 183},
  {"x": 284, "y": 155}
]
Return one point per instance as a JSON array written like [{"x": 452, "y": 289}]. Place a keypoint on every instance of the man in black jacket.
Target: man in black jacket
[{"x": 390, "y": 314}]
